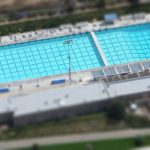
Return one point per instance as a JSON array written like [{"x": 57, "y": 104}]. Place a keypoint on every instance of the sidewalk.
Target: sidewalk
[{"x": 5, "y": 145}]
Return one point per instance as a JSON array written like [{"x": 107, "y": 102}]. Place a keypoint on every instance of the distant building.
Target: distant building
[
  {"x": 6, "y": 2},
  {"x": 26, "y": 3}
]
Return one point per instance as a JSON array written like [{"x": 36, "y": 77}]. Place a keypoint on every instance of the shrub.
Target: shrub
[
  {"x": 116, "y": 111},
  {"x": 35, "y": 147},
  {"x": 138, "y": 141},
  {"x": 137, "y": 121}
]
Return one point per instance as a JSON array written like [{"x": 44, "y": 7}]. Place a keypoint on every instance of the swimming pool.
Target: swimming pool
[
  {"x": 48, "y": 57},
  {"x": 125, "y": 44}
]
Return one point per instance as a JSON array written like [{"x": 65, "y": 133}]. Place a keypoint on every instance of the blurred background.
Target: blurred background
[
  {"x": 68, "y": 11},
  {"x": 17, "y": 9}
]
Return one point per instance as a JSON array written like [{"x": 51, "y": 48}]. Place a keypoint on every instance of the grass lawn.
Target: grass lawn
[
  {"x": 117, "y": 144},
  {"x": 81, "y": 124}
]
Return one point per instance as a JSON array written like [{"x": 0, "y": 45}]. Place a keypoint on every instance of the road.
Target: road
[{"x": 5, "y": 145}]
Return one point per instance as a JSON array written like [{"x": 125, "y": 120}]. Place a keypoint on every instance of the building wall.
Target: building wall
[
  {"x": 77, "y": 110},
  {"x": 6, "y": 118},
  {"x": 68, "y": 112},
  {"x": 62, "y": 113}
]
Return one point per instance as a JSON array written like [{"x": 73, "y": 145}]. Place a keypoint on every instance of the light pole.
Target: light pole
[{"x": 69, "y": 42}]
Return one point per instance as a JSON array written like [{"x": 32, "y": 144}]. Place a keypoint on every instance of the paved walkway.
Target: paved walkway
[
  {"x": 144, "y": 148},
  {"x": 72, "y": 138}
]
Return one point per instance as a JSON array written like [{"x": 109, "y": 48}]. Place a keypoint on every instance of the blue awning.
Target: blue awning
[{"x": 111, "y": 17}]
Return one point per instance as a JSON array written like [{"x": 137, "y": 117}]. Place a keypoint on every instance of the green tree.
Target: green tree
[
  {"x": 101, "y": 3},
  {"x": 138, "y": 141},
  {"x": 13, "y": 15},
  {"x": 134, "y": 2},
  {"x": 116, "y": 111},
  {"x": 69, "y": 5},
  {"x": 35, "y": 147}
]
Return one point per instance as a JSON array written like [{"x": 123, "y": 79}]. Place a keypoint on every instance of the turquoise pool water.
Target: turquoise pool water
[
  {"x": 48, "y": 57},
  {"x": 51, "y": 56},
  {"x": 125, "y": 44}
]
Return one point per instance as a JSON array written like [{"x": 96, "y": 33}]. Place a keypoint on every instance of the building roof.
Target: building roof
[{"x": 71, "y": 96}]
